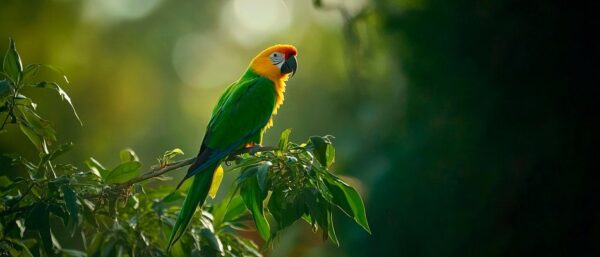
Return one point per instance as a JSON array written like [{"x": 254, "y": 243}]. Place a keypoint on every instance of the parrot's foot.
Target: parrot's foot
[
  {"x": 255, "y": 148},
  {"x": 252, "y": 145},
  {"x": 251, "y": 148}
]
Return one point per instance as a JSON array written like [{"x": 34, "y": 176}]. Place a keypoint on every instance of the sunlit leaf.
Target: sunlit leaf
[
  {"x": 61, "y": 92},
  {"x": 25, "y": 101},
  {"x": 323, "y": 149},
  {"x": 128, "y": 155},
  {"x": 61, "y": 149},
  {"x": 24, "y": 248},
  {"x": 284, "y": 139},
  {"x": 73, "y": 253},
  {"x": 253, "y": 198},
  {"x": 30, "y": 71},
  {"x": 12, "y": 65},
  {"x": 172, "y": 153},
  {"x": 96, "y": 167},
  {"x": 235, "y": 209},
  {"x": 123, "y": 172},
  {"x": 39, "y": 125},
  {"x": 331, "y": 229},
  {"x": 348, "y": 199}
]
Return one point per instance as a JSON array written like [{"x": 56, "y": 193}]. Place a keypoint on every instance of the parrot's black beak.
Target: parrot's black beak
[{"x": 289, "y": 66}]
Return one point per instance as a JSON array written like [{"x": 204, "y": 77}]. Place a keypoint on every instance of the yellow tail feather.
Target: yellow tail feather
[{"x": 216, "y": 182}]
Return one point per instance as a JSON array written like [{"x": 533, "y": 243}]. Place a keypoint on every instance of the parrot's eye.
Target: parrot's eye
[{"x": 276, "y": 58}]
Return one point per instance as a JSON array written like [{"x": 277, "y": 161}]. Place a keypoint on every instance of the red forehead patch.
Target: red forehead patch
[
  {"x": 287, "y": 50},
  {"x": 291, "y": 51}
]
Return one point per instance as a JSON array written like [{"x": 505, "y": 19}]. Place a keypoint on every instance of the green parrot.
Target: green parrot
[{"x": 239, "y": 120}]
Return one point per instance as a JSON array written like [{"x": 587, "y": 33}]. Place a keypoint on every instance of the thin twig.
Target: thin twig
[
  {"x": 158, "y": 171},
  {"x": 155, "y": 172}
]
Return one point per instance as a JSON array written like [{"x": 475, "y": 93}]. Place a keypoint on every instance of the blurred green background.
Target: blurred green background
[{"x": 470, "y": 126}]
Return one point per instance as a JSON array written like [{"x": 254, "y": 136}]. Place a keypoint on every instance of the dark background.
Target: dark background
[{"x": 471, "y": 127}]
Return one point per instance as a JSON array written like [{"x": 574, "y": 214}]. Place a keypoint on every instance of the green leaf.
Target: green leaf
[
  {"x": 253, "y": 198},
  {"x": 228, "y": 210},
  {"x": 30, "y": 71},
  {"x": 71, "y": 203},
  {"x": 330, "y": 155},
  {"x": 323, "y": 150},
  {"x": 318, "y": 208},
  {"x": 60, "y": 211},
  {"x": 12, "y": 62},
  {"x": 25, "y": 101},
  {"x": 212, "y": 241},
  {"x": 168, "y": 156},
  {"x": 284, "y": 139},
  {"x": 88, "y": 212},
  {"x": 35, "y": 139},
  {"x": 94, "y": 247},
  {"x": 123, "y": 172},
  {"x": 235, "y": 209},
  {"x": 248, "y": 172},
  {"x": 286, "y": 209},
  {"x": 5, "y": 182},
  {"x": 61, "y": 92},
  {"x": 331, "y": 230},
  {"x": 261, "y": 175},
  {"x": 73, "y": 253},
  {"x": 108, "y": 249},
  {"x": 20, "y": 160},
  {"x": 61, "y": 149},
  {"x": 5, "y": 90},
  {"x": 112, "y": 205},
  {"x": 25, "y": 250},
  {"x": 173, "y": 153},
  {"x": 128, "y": 155},
  {"x": 37, "y": 219},
  {"x": 39, "y": 125},
  {"x": 347, "y": 199},
  {"x": 96, "y": 167}
]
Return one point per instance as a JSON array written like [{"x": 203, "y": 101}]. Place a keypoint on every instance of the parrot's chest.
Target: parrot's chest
[{"x": 279, "y": 95}]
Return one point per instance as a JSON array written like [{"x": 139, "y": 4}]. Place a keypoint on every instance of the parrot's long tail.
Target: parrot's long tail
[{"x": 196, "y": 195}]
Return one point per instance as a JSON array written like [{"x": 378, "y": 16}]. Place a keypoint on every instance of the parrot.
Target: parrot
[{"x": 242, "y": 115}]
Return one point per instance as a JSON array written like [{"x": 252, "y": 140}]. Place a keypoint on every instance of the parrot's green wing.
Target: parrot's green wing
[{"x": 243, "y": 111}]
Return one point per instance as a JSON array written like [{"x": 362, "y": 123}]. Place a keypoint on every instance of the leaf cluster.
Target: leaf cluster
[{"x": 293, "y": 182}]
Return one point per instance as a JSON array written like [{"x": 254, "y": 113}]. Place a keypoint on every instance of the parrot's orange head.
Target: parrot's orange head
[{"x": 276, "y": 62}]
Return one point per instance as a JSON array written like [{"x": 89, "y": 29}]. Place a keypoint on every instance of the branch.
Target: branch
[
  {"x": 152, "y": 173},
  {"x": 158, "y": 171}
]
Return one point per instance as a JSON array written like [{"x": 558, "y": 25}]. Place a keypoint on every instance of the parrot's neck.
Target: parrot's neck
[{"x": 278, "y": 85}]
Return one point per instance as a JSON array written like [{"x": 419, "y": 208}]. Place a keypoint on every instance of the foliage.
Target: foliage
[{"x": 59, "y": 209}]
